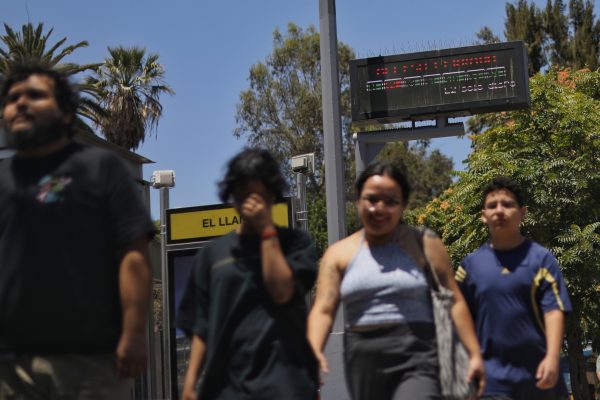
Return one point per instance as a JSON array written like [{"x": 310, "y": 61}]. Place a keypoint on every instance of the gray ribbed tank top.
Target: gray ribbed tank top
[{"x": 383, "y": 285}]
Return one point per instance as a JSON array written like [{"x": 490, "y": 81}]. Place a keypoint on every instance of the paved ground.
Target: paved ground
[{"x": 334, "y": 385}]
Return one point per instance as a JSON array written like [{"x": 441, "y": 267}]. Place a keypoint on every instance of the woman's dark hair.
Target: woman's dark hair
[
  {"x": 506, "y": 183},
  {"x": 383, "y": 169},
  {"x": 67, "y": 98},
  {"x": 252, "y": 164}
]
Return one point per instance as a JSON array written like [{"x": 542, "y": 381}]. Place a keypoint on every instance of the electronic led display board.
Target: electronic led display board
[{"x": 453, "y": 82}]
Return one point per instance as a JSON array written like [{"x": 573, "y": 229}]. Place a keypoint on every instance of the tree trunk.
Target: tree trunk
[{"x": 579, "y": 384}]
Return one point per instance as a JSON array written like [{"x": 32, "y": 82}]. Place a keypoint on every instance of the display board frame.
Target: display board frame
[{"x": 373, "y": 99}]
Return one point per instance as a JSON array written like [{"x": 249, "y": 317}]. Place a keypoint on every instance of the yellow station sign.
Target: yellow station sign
[{"x": 194, "y": 224}]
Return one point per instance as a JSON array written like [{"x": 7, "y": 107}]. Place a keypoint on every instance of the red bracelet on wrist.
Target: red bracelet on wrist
[{"x": 268, "y": 233}]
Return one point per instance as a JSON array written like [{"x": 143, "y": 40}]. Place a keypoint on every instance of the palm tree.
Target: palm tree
[
  {"x": 32, "y": 45},
  {"x": 129, "y": 85}
]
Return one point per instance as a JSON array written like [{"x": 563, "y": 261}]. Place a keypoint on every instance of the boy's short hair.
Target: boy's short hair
[{"x": 506, "y": 183}]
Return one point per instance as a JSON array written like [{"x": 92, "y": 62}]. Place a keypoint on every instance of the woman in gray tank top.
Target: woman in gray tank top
[{"x": 390, "y": 350}]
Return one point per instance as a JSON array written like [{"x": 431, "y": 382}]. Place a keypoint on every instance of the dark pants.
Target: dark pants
[
  {"x": 62, "y": 377},
  {"x": 393, "y": 363},
  {"x": 547, "y": 395}
]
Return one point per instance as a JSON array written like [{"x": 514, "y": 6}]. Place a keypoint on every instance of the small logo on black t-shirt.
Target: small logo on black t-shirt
[{"x": 51, "y": 189}]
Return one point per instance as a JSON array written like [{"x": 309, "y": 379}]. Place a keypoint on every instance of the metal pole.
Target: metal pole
[
  {"x": 150, "y": 374},
  {"x": 166, "y": 323},
  {"x": 301, "y": 213},
  {"x": 332, "y": 132},
  {"x": 334, "y": 388}
]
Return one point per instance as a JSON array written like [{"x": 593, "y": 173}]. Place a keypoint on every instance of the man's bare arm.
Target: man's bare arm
[
  {"x": 547, "y": 373},
  {"x": 135, "y": 285},
  {"x": 277, "y": 274},
  {"x": 194, "y": 368}
]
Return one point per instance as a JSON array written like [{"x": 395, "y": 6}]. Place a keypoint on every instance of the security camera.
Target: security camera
[
  {"x": 303, "y": 164},
  {"x": 164, "y": 178}
]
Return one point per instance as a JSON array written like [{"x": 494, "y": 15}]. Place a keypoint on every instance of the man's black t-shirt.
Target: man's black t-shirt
[
  {"x": 63, "y": 221},
  {"x": 256, "y": 349}
]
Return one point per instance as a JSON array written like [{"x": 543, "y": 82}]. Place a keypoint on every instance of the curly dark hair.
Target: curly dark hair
[
  {"x": 66, "y": 96},
  {"x": 506, "y": 183},
  {"x": 383, "y": 169},
  {"x": 252, "y": 164}
]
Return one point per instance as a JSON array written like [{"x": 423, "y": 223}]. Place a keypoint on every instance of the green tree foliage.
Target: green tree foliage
[
  {"x": 553, "y": 150},
  {"x": 486, "y": 36},
  {"x": 586, "y": 35},
  {"x": 525, "y": 22},
  {"x": 282, "y": 108},
  {"x": 129, "y": 85},
  {"x": 427, "y": 172},
  {"x": 553, "y": 36},
  {"x": 282, "y": 111},
  {"x": 556, "y": 26}
]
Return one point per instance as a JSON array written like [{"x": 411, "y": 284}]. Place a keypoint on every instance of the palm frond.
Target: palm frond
[{"x": 130, "y": 84}]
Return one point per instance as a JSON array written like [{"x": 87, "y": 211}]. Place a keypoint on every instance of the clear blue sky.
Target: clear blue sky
[{"x": 207, "y": 48}]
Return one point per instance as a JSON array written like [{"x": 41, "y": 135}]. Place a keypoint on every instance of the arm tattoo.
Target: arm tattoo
[
  {"x": 331, "y": 276},
  {"x": 332, "y": 271},
  {"x": 330, "y": 296}
]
